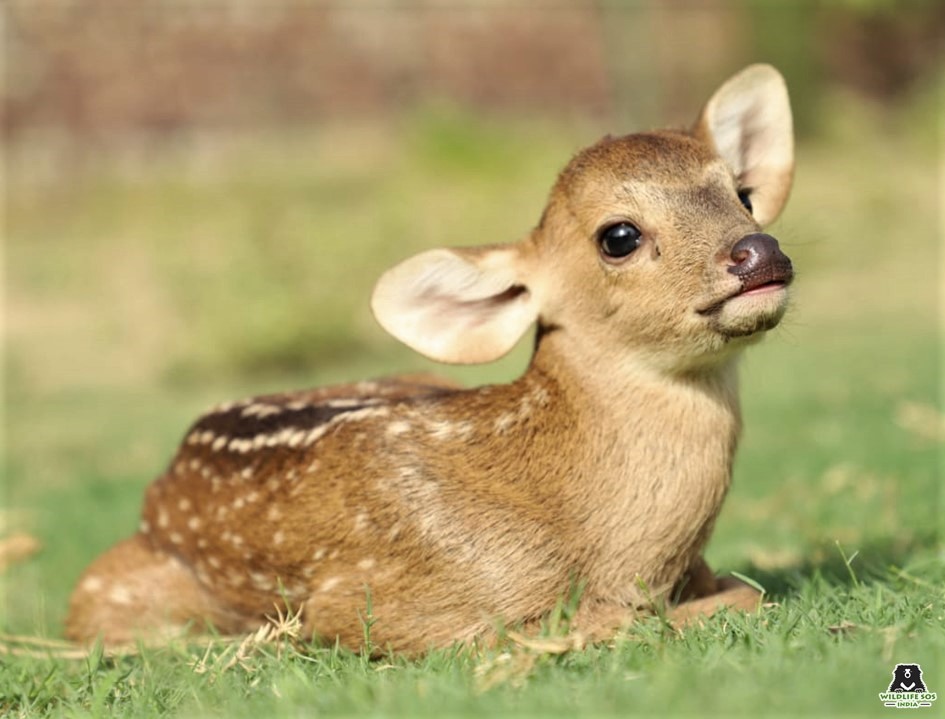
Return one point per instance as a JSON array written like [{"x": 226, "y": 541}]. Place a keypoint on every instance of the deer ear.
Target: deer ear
[
  {"x": 748, "y": 122},
  {"x": 458, "y": 305}
]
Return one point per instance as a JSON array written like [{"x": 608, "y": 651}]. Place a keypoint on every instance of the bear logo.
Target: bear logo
[{"x": 907, "y": 678}]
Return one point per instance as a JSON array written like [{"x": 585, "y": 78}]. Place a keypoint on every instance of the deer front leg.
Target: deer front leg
[{"x": 702, "y": 594}]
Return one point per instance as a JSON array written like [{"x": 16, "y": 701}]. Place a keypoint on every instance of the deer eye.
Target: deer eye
[
  {"x": 619, "y": 240},
  {"x": 745, "y": 197}
]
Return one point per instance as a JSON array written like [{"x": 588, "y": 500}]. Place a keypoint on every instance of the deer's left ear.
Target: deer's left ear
[{"x": 748, "y": 122}]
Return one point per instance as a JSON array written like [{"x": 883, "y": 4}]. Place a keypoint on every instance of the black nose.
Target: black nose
[{"x": 759, "y": 261}]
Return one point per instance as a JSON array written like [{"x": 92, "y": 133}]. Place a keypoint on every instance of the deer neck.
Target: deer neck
[
  {"x": 612, "y": 393},
  {"x": 655, "y": 454}
]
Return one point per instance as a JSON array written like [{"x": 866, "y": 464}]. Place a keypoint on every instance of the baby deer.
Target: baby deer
[{"x": 450, "y": 510}]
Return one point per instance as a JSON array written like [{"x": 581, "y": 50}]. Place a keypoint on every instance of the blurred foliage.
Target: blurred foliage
[
  {"x": 97, "y": 68},
  {"x": 783, "y": 34},
  {"x": 881, "y": 50},
  {"x": 256, "y": 255}
]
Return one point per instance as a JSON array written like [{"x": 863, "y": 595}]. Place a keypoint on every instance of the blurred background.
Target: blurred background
[{"x": 199, "y": 197}]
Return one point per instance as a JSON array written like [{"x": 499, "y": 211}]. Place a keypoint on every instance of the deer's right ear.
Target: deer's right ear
[
  {"x": 748, "y": 122},
  {"x": 460, "y": 305}
]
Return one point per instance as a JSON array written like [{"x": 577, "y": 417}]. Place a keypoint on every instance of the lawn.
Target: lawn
[{"x": 141, "y": 291}]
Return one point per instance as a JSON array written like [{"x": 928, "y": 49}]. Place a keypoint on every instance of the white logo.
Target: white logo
[{"x": 907, "y": 690}]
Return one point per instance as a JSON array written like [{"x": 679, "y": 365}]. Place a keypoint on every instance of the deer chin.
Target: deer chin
[{"x": 751, "y": 312}]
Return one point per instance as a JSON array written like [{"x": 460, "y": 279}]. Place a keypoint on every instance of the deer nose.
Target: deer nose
[{"x": 757, "y": 260}]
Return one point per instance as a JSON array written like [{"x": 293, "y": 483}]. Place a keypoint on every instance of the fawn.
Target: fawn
[{"x": 606, "y": 463}]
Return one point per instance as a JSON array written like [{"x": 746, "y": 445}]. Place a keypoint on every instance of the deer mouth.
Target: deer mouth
[{"x": 768, "y": 278}]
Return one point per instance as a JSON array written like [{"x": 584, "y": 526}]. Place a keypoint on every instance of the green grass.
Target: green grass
[{"x": 135, "y": 299}]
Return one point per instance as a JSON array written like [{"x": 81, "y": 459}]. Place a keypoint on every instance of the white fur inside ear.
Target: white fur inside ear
[
  {"x": 458, "y": 306},
  {"x": 749, "y": 121}
]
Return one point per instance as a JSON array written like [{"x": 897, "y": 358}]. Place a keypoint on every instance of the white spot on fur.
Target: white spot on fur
[
  {"x": 334, "y": 554},
  {"x": 184, "y": 504},
  {"x": 144, "y": 526},
  {"x": 329, "y": 584},
  {"x": 359, "y": 414},
  {"x": 240, "y": 445},
  {"x": 273, "y": 514},
  {"x": 313, "y": 467},
  {"x": 238, "y": 503},
  {"x": 397, "y": 428},
  {"x": 237, "y": 540},
  {"x": 120, "y": 594},
  {"x": 503, "y": 422},
  {"x": 315, "y": 434},
  {"x": 319, "y": 553},
  {"x": 252, "y": 497},
  {"x": 193, "y": 524},
  {"x": 278, "y": 538},
  {"x": 366, "y": 564},
  {"x": 441, "y": 429},
  {"x": 219, "y": 443},
  {"x": 525, "y": 407},
  {"x": 541, "y": 397},
  {"x": 361, "y": 521},
  {"x": 214, "y": 562},
  {"x": 246, "y": 473},
  {"x": 260, "y": 409},
  {"x": 92, "y": 584},
  {"x": 202, "y": 543},
  {"x": 261, "y": 581},
  {"x": 163, "y": 518},
  {"x": 195, "y": 464},
  {"x": 296, "y": 438},
  {"x": 355, "y": 402},
  {"x": 281, "y": 437},
  {"x": 176, "y": 538}
]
